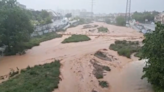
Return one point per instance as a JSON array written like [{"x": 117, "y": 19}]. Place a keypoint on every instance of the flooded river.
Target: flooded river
[
  {"x": 76, "y": 71},
  {"x": 129, "y": 79}
]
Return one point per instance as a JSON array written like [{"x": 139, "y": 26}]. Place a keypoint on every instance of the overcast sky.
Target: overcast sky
[{"x": 100, "y": 6}]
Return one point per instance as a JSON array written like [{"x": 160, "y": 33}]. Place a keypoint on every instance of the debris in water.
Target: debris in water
[{"x": 99, "y": 69}]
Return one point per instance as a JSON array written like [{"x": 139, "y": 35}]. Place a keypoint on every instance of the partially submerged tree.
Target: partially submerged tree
[
  {"x": 120, "y": 21},
  {"x": 153, "y": 51}
]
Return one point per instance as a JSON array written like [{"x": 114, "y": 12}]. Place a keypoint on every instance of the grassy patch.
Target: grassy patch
[
  {"x": 87, "y": 26},
  {"x": 35, "y": 41},
  {"x": 138, "y": 54},
  {"x": 41, "y": 78},
  {"x": 103, "y": 84},
  {"x": 102, "y": 29},
  {"x": 99, "y": 69},
  {"x": 76, "y": 38},
  {"x": 102, "y": 56},
  {"x": 125, "y": 48}
]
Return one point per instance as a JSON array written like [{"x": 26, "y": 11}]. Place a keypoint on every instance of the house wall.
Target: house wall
[{"x": 159, "y": 18}]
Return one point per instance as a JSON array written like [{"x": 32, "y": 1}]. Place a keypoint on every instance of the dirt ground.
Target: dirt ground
[{"x": 76, "y": 70}]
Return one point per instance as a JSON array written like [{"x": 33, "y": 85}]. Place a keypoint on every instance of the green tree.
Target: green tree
[
  {"x": 153, "y": 51},
  {"x": 107, "y": 20},
  {"x": 120, "y": 21},
  {"x": 48, "y": 20},
  {"x": 141, "y": 17},
  {"x": 42, "y": 17},
  {"x": 15, "y": 27}
]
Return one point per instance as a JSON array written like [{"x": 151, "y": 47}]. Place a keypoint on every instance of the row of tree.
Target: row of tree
[
  {"x": 39, "y": 17},
  {"x": 120, "y": 21},
  {"x": 145, "y": 16}
]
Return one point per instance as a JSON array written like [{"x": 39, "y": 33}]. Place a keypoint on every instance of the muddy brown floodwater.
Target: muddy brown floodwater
[{"x": 76, "y": 70}]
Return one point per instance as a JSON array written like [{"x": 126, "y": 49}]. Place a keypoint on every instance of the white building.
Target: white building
[{"x": 159, "y": 18}]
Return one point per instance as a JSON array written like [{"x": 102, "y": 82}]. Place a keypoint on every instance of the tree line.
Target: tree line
[
  {"x": 39, "y": 17},
  {"x": 144, "y": 16}
]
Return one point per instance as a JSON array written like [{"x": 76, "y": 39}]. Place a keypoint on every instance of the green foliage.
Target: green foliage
[
  {"x": 99, "y": 75},
  {"x": 153, "y": 50},
  {"x": 120, "y": 21},
  {"x": 102, "y": 29},
  {"x": 99, "y": 69},
  {"x": 84, "y": 21},
  {"x": 103, "y": 84},
  {"x": 141, "y": 17},
  {"x": 138, "y": 54},
  {"x": 87, "y": 26},
  {"x": 102, "y": 56},
  {"x": 108, "y": 21},
  {"x": 15, "y": 27},
  {"x": 76, "y": 38},
  {"x": 42, "y": 17},
  {"x": 125, "y": 48},
  {"x": 41, "y": 78},
  {"x": 106, "y": 68},
  {"x": 37, "y": 40}
]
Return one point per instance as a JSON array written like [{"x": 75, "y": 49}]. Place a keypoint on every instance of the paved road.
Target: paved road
[
  {"x": 144, "y": 27},
  {"x": 149, "y": 26}
]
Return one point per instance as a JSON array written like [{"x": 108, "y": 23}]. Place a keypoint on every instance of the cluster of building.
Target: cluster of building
[
  {"x": 159, "y": 18},
  {"x": 80, "y": 13},
  {"x": 58, "y": 23}
]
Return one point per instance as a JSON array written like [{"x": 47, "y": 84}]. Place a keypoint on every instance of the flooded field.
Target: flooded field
[{"x": 76, "y": 71}]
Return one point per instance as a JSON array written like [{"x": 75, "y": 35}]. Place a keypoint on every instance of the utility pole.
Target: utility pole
[
  {"x": 128, "y": 10},
  {"x": 92, "y": 9}
]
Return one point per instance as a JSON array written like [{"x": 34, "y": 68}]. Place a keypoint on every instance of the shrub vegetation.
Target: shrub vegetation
[
  {"x": 37, "y": 40},
  {"x": 102, "y": 56},
  {"x": 41, "y": 78},
  {"x": 102, "y": 29},
  {"x": 76, "y": 38},
  {"x": 103, "y": 84},
  {"x": 106, "y": 68},
  {"x": 125, "y": 48},
  {"x": 99, "y": 69},
  {"x": 120, "y": 21}
]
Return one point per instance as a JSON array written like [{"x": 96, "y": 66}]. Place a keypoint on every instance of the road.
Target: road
[
  {"x": 149, "y": 26},
  {"x": 144, "y": 27}
]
